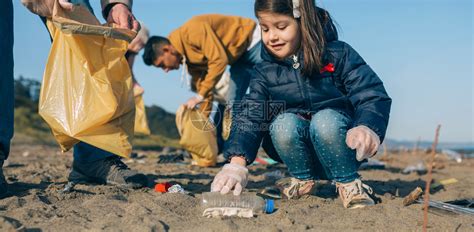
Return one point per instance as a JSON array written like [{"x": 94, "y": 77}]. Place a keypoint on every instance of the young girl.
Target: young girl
[{"x": 332, "y": 109}]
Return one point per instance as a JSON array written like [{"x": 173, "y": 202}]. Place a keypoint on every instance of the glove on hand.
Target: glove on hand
[
  {"x": 364, "y": 140},
  {"x": 232, "y": 176}
]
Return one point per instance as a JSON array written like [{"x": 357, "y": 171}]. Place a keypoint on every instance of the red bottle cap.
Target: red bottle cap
[{"x": 162, "y": 187}]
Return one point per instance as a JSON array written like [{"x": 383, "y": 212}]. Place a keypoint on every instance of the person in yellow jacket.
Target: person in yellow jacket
[{"x": 205, "y": 45}]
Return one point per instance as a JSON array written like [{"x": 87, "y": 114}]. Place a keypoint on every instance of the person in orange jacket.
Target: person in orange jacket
[{"x": 205, "y": 45}]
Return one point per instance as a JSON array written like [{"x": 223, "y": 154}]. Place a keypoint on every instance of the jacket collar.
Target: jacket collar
[{"x": 177, "y": 41}]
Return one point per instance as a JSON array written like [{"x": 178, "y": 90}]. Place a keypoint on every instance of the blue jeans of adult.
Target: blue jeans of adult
[
  {"x": 241, "y": 72},
  {"x": 315, "y": 148},
  {"x": 6, "y": 78}
]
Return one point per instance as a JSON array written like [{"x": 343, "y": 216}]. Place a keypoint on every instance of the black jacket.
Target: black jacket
[{"x": 352, "y": 88}]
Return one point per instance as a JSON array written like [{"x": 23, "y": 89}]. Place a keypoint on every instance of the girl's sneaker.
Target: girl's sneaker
[
  {"x": 292, "y": 188},
  {"x": 355, "y": 194}
]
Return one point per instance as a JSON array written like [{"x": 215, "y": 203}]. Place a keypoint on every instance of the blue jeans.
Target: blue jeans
[
  {"x": 315, "y": 148},
  {"x": 240, "y": 74},
  {"x": 6, "y": 77},
  {"x": 242, "y": 71}
]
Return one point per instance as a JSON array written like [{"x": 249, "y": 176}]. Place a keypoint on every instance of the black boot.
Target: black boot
[
  {"x": 3, "y": 182},
  {"x": 107, "y": 171}
]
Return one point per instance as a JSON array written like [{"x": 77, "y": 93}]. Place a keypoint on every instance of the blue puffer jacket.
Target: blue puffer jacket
[{"x": 352, "y": 88}]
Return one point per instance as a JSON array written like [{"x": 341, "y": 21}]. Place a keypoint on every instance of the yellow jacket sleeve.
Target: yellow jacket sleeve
[
  {"x": 217, "y": 60},
  {"x": 206, "y": 105}
]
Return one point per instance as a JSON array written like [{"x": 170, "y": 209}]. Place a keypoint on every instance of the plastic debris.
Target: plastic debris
[
  {"x": 452, "y": 155},
  {"x": 271, "y": 192},
  {"x": 162, "y": 187},
  {"x": 176, "y": 189},
  {"x": 419, "y": 168},
  {"x": 372, "y": 164},
  {"x": 264, "y": 161},
  {"x": 415, "y": 197},
  {"x": 443, "y": 183},
  {"x": 245, "y": 205}
]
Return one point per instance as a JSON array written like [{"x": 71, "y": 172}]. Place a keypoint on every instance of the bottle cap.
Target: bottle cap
[
  {"x": 269, "y": 205},
  {"x": 162, "y": 187}
]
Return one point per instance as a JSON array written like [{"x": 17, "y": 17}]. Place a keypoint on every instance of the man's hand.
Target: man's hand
[
  {"x": 121, "y": 15},
  {"x": 194, "y": 101},
  {"x": 364, "y": 140},
  {"x": 45, "y": 7},
  {"x": 65, "y": 4}
]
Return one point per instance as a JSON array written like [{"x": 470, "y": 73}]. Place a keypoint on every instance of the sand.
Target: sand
[{"x": 36, "y": 173}]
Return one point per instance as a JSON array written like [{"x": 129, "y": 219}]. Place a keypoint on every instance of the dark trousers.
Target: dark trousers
[
  {"x": 218, "y": 120},
  {"x": 6, "y": 77}
]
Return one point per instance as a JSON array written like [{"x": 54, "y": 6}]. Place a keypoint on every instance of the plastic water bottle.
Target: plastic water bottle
[{"x": 244, "y": 201}]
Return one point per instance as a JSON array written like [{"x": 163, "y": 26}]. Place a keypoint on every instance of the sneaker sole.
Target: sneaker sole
[
  {"x": 78, "y": 178},
  {"x": 129, "y": 186}
]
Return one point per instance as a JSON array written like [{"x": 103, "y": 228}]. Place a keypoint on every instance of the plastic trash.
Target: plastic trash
[
  {"x": 162, "y": 187},
  {"x": 264, "y": 161},
  {"x": 443, "y": 183},
  {"x": 372, "y": 164},
  {"x": 452, "y": 155},
  {"x": 271, "y": 192},
  {"x": 176, "y": 189},
  {"x": 245, "y": 205},
  {"x": 419, "y": 168}
]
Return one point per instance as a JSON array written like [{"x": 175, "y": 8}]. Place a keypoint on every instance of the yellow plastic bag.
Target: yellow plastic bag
[
  {"x": 86, "y": 93},
  {"x": 198, "y": 136},
  {"x": 141, "y": 122}
]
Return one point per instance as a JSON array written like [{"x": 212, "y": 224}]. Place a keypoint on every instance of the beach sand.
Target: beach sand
[{"x": 37, "y": 173}]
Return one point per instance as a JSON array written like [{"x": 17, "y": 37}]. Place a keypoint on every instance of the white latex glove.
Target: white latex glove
[
  {"x": 364, "y": 140},
  {"x": 232, "y": 176},
  {"x": 138, "y": 90},
  {"x": 194, "y": 101}
]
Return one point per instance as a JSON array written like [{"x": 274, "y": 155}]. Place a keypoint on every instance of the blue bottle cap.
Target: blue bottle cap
[{"x": 269, "y": 206}]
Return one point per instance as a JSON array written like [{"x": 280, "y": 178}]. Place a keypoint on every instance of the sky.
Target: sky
[{"x": 421, "y": 49}]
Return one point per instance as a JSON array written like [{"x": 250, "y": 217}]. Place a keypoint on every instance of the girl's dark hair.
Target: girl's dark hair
[{"x": 312, "y": 34}]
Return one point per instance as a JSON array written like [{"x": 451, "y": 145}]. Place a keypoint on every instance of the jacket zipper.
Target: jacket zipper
[{"x": 296, "y": 65}]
